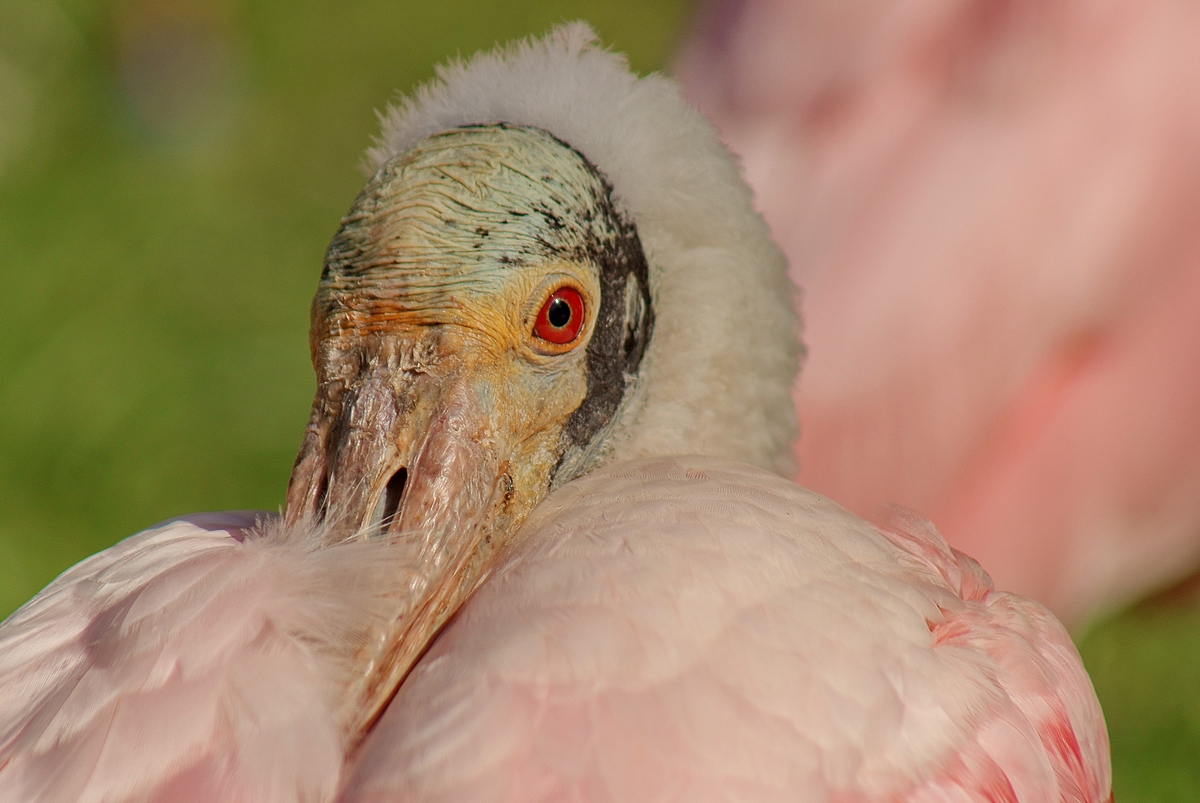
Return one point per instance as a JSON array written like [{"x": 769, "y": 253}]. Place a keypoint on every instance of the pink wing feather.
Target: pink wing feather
[{"x": 187, "y": 663}]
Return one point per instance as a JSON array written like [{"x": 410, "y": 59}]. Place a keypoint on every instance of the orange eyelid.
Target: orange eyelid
[{"x": 562, "y": 316}]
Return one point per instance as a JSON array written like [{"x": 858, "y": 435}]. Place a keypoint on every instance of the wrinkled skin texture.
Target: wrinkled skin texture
[{"x": 991, "y": 208}]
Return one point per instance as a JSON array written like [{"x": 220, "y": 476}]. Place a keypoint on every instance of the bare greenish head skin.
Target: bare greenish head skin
[
  {"x": 441, "y": 417},
  {"x": 459, "y": 210}
]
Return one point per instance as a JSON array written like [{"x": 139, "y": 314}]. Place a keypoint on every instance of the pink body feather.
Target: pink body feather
[
  {"x": 689, "y": 629},
  {"x": 991, "y": 208},
  {"x": 692, "y": 629}
]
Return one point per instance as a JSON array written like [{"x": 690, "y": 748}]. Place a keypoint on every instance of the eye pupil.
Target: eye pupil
[{"x": 559, "y": 313}]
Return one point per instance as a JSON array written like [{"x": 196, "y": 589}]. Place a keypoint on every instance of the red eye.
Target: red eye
[{"x": 561, "y": 317}]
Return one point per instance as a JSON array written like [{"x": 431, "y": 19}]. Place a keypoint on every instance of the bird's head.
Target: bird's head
[
  {"x": 532, "y": 282},
  {"x": 480, "y": 322}
]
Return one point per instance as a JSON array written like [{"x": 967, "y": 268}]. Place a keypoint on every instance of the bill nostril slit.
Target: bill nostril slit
[
  {"x": 322, "y": 498},
  {"x": 392, "y": 495}
]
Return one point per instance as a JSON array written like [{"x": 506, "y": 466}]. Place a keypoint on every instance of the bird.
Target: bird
[
  {"x": 985, "y": 206},
  {"x": 539, "y": 541}
]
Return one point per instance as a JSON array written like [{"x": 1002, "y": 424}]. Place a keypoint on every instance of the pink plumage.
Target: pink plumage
[
  {"x": 671, "y": 629},
  {"x": 991, "y": 209},
  {"x": 692, "y": 629}
]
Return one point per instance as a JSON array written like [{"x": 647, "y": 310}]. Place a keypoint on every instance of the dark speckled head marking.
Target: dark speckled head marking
[{"x": 624, "y": 323}]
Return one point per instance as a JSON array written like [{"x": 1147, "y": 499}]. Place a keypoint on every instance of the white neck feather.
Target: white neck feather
[{"x": 717, "y": 376}]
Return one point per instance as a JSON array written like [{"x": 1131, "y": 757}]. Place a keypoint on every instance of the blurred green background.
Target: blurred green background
[{"x": 170, "y": 172}]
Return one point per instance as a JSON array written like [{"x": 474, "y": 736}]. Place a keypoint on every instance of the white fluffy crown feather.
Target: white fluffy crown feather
[{"x": 717, "y": 377}]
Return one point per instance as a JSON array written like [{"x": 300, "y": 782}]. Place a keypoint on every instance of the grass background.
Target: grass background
[{"x": 170, "y": 173}]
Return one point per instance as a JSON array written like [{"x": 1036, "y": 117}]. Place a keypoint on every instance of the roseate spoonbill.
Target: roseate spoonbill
[
  {"x": 991, "y": 209},
  {"x": 553, "y": 281}
]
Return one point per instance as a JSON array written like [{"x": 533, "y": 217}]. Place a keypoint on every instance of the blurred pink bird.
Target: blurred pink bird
[
  {"x": 492, "y": 582},
  {"x": 991, "y": 207}
]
